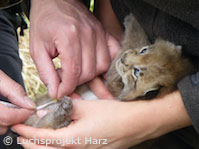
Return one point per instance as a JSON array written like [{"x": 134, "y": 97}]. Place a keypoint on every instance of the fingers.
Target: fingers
[
  {"x": 45, "y": 67},
  {"x": 66, "y": 132},
  {"x": 81, "y": 43},
  {"x": 75, "y": 96},
  {"x": 47, "y": 135},
  {"x": 14, "y": 92},
  {"x": 99, "y": 89},
  {"x": 70, "y": 56},
  {"x": 78, "y": 106},
  {"x": 88, "y": 55},
  {"x": 31, "y": 132},
  {"x": 3, "y": 130},
  {"x": 113, "y": 46},
  {"x": 10, "y": 116},
  {"x": 103, "y": 56}
]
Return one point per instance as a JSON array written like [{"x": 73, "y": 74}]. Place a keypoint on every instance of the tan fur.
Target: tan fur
[
  {"x": 160, "y": 67},
  {"x": 57, "y": 117}
]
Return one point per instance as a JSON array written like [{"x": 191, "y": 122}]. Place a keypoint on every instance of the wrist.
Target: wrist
[
  {"x": 138, "y": 121},
  {"x": 149, "y": 119},
  {"x": 169, "y": 114}
]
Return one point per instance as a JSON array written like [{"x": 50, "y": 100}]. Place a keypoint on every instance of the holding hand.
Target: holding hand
[
  {"x": 105, "y": 120},
  {"x": 67, "y": 28},
  {"x": 122, "y": 124},
  {"x": 15, "y": 93}
]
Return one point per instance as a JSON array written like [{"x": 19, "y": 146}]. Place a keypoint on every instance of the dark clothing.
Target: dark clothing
[
  {"x": 10, "y": 62},
  {"x": 5, "y": 3},
  {"x": 176, "y": 21}
]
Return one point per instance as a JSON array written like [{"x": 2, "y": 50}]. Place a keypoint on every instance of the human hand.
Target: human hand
[
  {"x": 15, "y": 93},
  {"x": 66, "y": 28},
  {"x": 123, "y": 124},
  {"x": 107, "y": 120},
  {"x": 98, "y": 87}
]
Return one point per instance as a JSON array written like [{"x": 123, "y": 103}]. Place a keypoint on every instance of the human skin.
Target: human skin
[
  {"x": 105, "y": 14},
  {"x": 66, "y": 28},
  {"x": 15, "y": 94},
  {"x": 123, "y": 124}
]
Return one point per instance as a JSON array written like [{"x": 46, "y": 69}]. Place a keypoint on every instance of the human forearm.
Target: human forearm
[
  {"x": 164, "y": 115},
  {"x": 106, "y": 16},
  {"x": 148, "y": 119},
  {"x": 175, "y": 115},
  {"x": 123, "y": 124}
]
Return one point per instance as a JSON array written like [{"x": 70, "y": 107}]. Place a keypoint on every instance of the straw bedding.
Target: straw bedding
[{"x": 34, "y": 86}]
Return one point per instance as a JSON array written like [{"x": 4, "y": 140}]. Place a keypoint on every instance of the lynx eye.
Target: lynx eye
[
  {"x": 136, "y": 72},
  {"x": 144, "y": 50}
]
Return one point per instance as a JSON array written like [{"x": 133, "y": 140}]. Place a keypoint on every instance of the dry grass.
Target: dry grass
[{"x": 34, "y": 86}]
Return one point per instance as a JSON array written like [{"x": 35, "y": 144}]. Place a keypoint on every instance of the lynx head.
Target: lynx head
[{"x": 147, "y": 71}]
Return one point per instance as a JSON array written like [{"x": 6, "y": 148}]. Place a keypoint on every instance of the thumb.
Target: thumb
[
  {"x": 113, "y": 46},
  {"x": 79, "y": 106},
  {"x": 100, "y": 90},
  {"x": 14, "y": 92},
  {"x": 10, "y": 116}
]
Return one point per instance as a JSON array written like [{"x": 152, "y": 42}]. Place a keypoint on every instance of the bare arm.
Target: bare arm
[
  {"x": 135, "y": 122},
  {"x": 168, "y": 114},
  {"x": 106, "y": 16}
]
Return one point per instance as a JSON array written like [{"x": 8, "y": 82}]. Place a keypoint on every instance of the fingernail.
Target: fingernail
[
  {"x": 29, "y": 102},
  {"x": 50, "y": 91},
  {"x": 13, "y": 129}
]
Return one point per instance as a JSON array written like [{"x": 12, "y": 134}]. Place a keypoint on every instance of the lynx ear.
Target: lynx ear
[
  {"x": 158, "y": 39},
  {"x": 151, "y": 90},
  {"x": 171, "y": 46}
]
